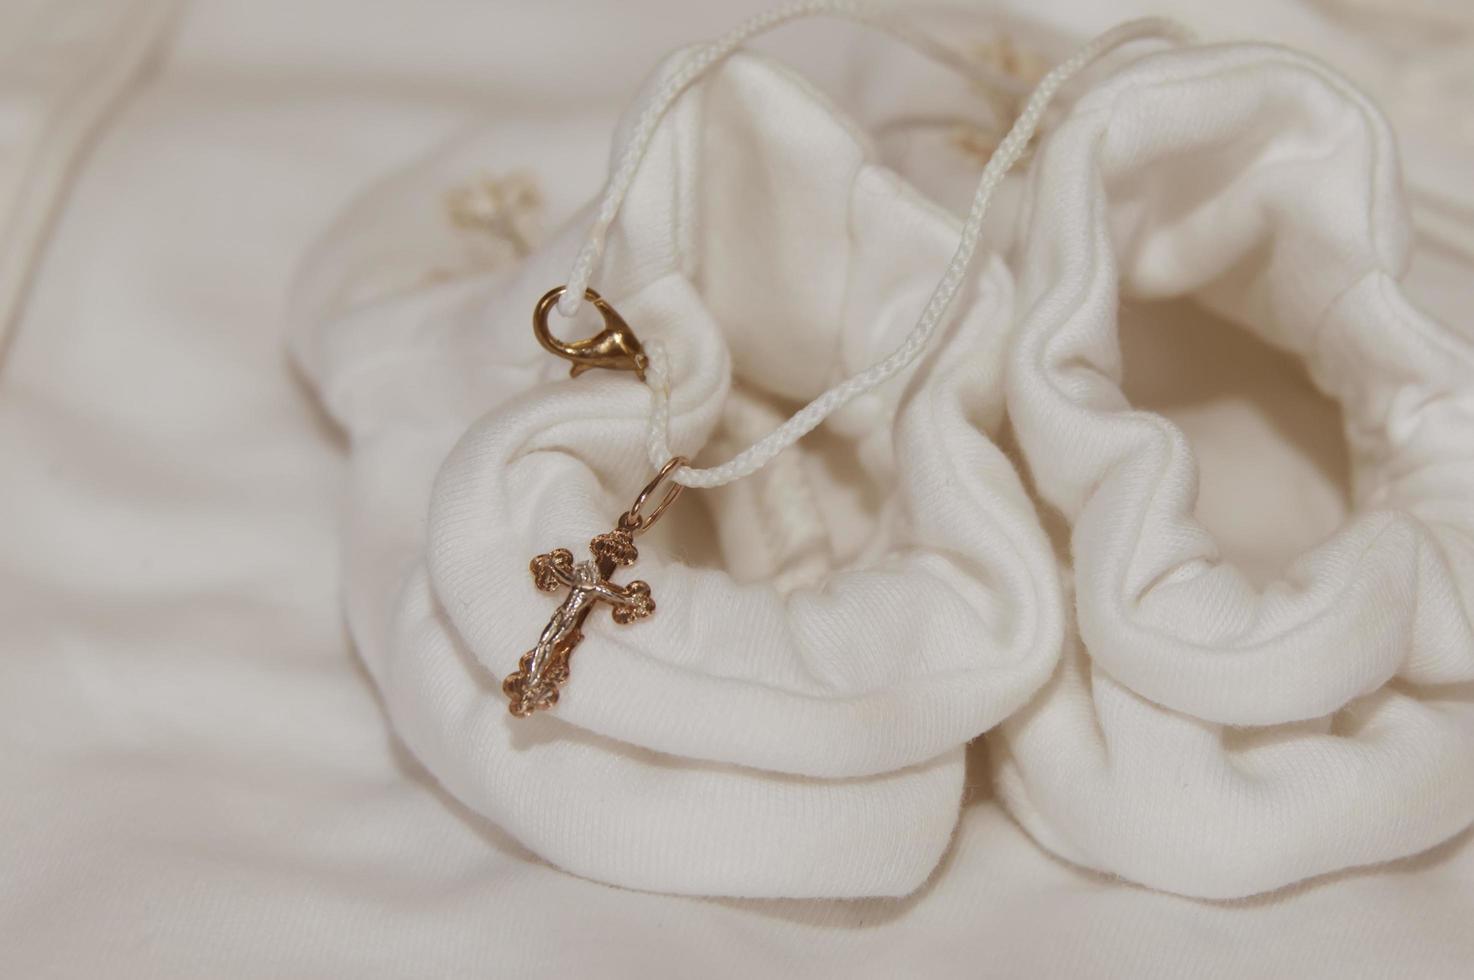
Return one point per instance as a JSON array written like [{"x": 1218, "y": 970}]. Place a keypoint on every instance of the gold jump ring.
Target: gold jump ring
[{"x": 633, "y": 519}]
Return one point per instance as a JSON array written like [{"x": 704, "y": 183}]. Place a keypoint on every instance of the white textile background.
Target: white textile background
[{"x": 197, "y": 779}]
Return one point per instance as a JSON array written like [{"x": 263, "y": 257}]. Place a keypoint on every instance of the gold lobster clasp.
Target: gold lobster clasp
[{"x": 615, "y": 347}]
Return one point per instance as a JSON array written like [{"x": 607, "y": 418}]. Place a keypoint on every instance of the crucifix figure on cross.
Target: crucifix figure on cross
[{"x": 544, "y": 668}]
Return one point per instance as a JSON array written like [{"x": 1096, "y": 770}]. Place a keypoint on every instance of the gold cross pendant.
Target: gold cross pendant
[{"x": 543, "y": 669}]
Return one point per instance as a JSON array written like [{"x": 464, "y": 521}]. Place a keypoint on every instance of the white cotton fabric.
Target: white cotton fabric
[
  {"x": 196, "y": 777},
  {"x": 1217, "y": 735},
  {"x": 791, "y": 721},
  {"x": 72, "y": 69}
]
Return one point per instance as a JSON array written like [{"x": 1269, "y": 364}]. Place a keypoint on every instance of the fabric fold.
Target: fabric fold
[{"x": 1216, "y": 735}]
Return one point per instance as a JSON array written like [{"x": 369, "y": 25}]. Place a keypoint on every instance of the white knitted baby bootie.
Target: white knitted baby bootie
[
  {"x": 1218, "y": 735},
  {"x": 829, "y": 631}
]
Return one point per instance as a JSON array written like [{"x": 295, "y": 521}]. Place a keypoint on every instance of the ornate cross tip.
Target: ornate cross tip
[{"x": 544, "y": 668}]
